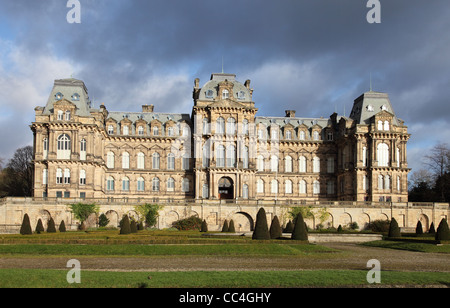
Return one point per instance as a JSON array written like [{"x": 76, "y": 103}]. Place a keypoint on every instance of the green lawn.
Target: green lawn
[
  {"x": 31, "y": 278},
  {"x": 411, "y": 246}
]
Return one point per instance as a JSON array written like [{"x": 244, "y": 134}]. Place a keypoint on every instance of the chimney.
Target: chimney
[
  {"x": 247, "y": 84},
  {"x": 290, "y": 113},
  {"x": 147, "y": 108}
]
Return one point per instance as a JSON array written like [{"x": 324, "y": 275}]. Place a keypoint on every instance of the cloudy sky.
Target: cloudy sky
[{"x": 312, "y": 56}]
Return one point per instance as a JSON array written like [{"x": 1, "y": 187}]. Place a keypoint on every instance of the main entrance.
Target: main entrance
[{"x": 226, "y": 188}]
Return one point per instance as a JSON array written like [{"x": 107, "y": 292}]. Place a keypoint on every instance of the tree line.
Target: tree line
[{"x": 16, "y": 178}]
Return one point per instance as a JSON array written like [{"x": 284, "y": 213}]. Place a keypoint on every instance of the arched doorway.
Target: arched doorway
[{"x": 226, "y": 188}]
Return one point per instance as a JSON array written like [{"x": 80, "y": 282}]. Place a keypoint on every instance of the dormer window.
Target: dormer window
[
  {"x": 59, "y": 96},
  {"x": 76, "y": 97},
  {"x": 209, "y": 94},
  {"x": 241, "y": 95},
  {"x": 67, "y": 115},
  {"x": 60, "y": 115},
  {"x": 225, "y": 94}
]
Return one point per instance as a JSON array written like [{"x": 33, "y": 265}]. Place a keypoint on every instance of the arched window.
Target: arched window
[
  {"x": 274, "y": 133},
  {"x": 302, "y": 135},
  {"x": 67, "y": 115},
  {"x": 316, "y": 135},
  {"x": 380, "y": 125},
  {"x": 64, "y": 147},
  {"x": 170, "y": 184},
  {"x": 205, "y": 126},
  {"x": 220, "y": 126},
  {"x": 110, "y": 183},
  {"x": 316, "y": 187},
  {"x": 274, "y": 186},
  {"x": 399, "y": 187},
  {"x": 316, "y": 164},
  {"x": 155, "y": 161},
  {"x": 288, "y": 187},
  {"x": 140, "y": 160},
  {"x": 231, "y": 156},
  {"x": 302, "y": 164},
  {"x": 155, "y": 184},
  {"x": 245, "y": 157},
  {"x": 125, "y": 160},
  {"x": 225, "y": 94},
  {"x": 140, "y": 184},
  {"x": 387, "y": 182},
  {"x": 60, "y": 115},
  {"x": 110, "y": 160},
  {"x": 288, "y": 135},
  {"x": 126, "y": 130},
  {"x": 171, "y": 161},
  {"x": 383, "y": 155},
  {"x": 185, "y": 185},
  {"x": 274, "y": 163},
  {"x": 260, "y": 186},
  {"x": 397, "y": 156},
  {"x": 288, "y": 164},
  {"x": 380, "y": 182},
  {"x": 82, "y": 177},
  {"x": 155, "y": 131},
  {"x": 245, "y": 127},
  {"x": 245, "y": 191},
  {"x": 110, "y": 129},
  {"x": 141, "y": 131},
  {"x": 220, "y": 162},
  {"x": 386, "y": 125},
  {"x": 170, "y": 132},
  {"x": 66, "y": 176},
  {"x": 231, "y": 126},
  {"x": 260, "y": 163},
  {"x": 302, "y": 187},
  {"x": 125, "y": 184}
]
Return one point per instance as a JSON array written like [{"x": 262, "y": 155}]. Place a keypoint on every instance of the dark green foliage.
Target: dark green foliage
[
  {"x": 82, "y": 227},
  {"x": 419, "y": 229},
  {"x": 190, "y": 223},
  {"x": 225, "y": 226},
  {"x": 133, "y": 226},
  {"x": 82, "y": 211},
  {"x": 432, "y": 229},
  {"x": 39, "y": 227},
  {"x": 204, "y": 227},
  {"x": 103, "y": 221},
  {"x": 289, "y": 227},
  {"x": 379, "y": 225},
  {"x": 275, "y": 228},
  {"x": 339, "y": 229},
  {"x": 300, "y": 231},
  {"x": 394, "y": 230},
  {"x": 261, "y": 231},
  {"x": 443, "y": 232},
  {"x": 140, "y": 226},
  {"x": 25, "y": 228},
  {"x": 125, "y": 227},
  {"x": 62, "y": 226},
  {"x": 51, "y": 228},
  {"x": 231, "y": 227}
]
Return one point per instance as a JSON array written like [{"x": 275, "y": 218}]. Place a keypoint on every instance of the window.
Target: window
[
  {"x": 59, "y": 194},
  {"x": 186, "y": 131},
  {"x": 155, "y": 130},
  {"x": 209, "y": 94},
  {"x": 241, "y": 95},
  {"x": 82, "y": 177},
  {"x": 330, "y": 188},
  {"x": 141, "y": 131},
  {"x": 316, "y": 187},
  {"x": 383, "y": 155},
  {"x": 126, "y": 130},
  {"x": 302, "y": 164},
  {"x": 206, "y": 155},
  {"x": 170, "y": 184},
  {"x": 365, "y": 183},
  {"x": 330, "y": 164},
  {"x": 273, "y": 163},
  {"x": 288, "y": 135},
  {"x": 288, "y": 187},
  {"x": 155, "y": 161},
  {"x": 125, "y": 184},
  {"x": 316, "y": 135},
  {"x": 45, "y": 176},
  {"x": 399, "y": 187},
  {"x": 66, "y": 176},
  {"x": 58, "y": 96},
  {"x": 125, "y": 160},
  {"x": 225, "y": 94},
  {"x": 387, "y": 182},
  {"x": 45, "y": 148},
  {"x": 288, "y": 164},
  {"x": 245, "y": 191},
  {"x": 231, "y": 156},
  {"x": 67, "y": 115},
  {"x": 205, "y": 123},
  {"x": 155, "y": 184},
  {"x": 245, "y": 127},
  {"x": 260, "y": 163},
  {"x": 205, "y": 191},
  {"x": 397, "y": 157},
  {"x": 302, "y": 187},
  {"x": 110, "y": 160},
  {"x": 75, "y": 97},
  {"x": 110, "y": 129},
  {"x": 380, "y": 125},
  {"x": 386, "y": 125},
  {"x": 185, "y": 185},
  {"x": 316, "y": 164},
  {"x": 220, "y": 156},
  {"x": 185, "y": 162},
  {"x": 274, "y": 186},
  {"x": 63, "y": 147},
  {"x": 140, "y": 160},
  {"x": 83, "y": 149},
  {"x": 60, "y": 115},
  {"x": 220, "y": 125},
  {"x": 330, "y": 136},
  {"x": 301, "y": 135},
  {"x": 260, "y": 134},
  {"x": 110, "y": 183},
  {"x": 231, "y": 126},
  {"x": 364, "y": 156},
  {"x": 170, "y": 132},
  {"x": 245, "y": 157},
  {"x": 171, "y": 161},
  {"x": 140, "y": 184},
  {"x": 274, "y": 133},
  {"x": 260, "y": 186},
  {"x": 380, "y": 182}
]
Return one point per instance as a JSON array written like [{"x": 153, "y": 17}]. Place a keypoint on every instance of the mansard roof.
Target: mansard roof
[{"x": 369, "y": 104}]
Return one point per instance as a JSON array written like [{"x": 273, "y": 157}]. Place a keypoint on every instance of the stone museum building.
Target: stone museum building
[{"x": 222, "y": 150}]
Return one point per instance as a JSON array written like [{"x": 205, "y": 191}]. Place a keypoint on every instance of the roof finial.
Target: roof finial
[
  {"x": 370, "y": 81},
  {"x": 222, "y": 64}
]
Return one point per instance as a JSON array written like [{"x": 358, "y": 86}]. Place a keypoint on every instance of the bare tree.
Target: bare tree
[{"x": 438, "y": 160}]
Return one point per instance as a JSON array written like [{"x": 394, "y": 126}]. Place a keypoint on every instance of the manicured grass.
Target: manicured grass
[
  {"x": 411, "y": 246},
  {"x": 31, "y": 278}
]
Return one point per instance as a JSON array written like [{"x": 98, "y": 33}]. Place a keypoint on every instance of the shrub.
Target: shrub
[
  {"x": 150, "y": 212},
  {"x": 190, "y": 223},
  {"x": 231, "y": 227},
  {"x": 82, "y": 211},
  {"x": 39, "y": 227},
  {"x": 261, "y": 231},
  {"x": 133, "y": 226},
  {"x": 300, "y": 231},
  {"x": 62, "y": 226},
  {"x": 204, "y": 227},
  {"x": 419, "y": 229},
  {"x": 225, "y": 226},
  {"x": 51, "y": 228},
  {"x": 289, "y": 227},
  {"x": 275, "y": 228},
  {"x": 432, "y": 229},
  {"x": 25, "y": 228},
  {"x": 125, "y": 227},
  {"x": 339, "y": 229},
  {"x": 103, "y": 221},
  {"x": 394, "y": 230},
  {"x": 379, "y": 225},
  {"x": 442, "y": 232}
]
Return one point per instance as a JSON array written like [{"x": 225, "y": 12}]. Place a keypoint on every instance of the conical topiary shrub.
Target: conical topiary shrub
[
  {"x": 62, "y": 226},
  {"x": 432, "y": 229},
  {"x": 39, "y": 227},
  {"x": 261, "y": 231},
  {"x": 419, "y": 229},
  {"x": 25, "y": 228},
  {"x": 133, "y": 226},
  {"x": 289, "y": 227},
  {"x": 225, "y": 226},
  {"x": 300, "y": 233},
  {"x": 394, "y": 230},
  {"x": 231, "y": 226},
  {"x": 442, "y": 232},
  {"x": 125, "y": 227},
  {"x": 51, "y": 226},
  {"x": 339, "y": 229},
  {"x": 204, "y": 227},
  {"x": 275, "y": 228}
]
